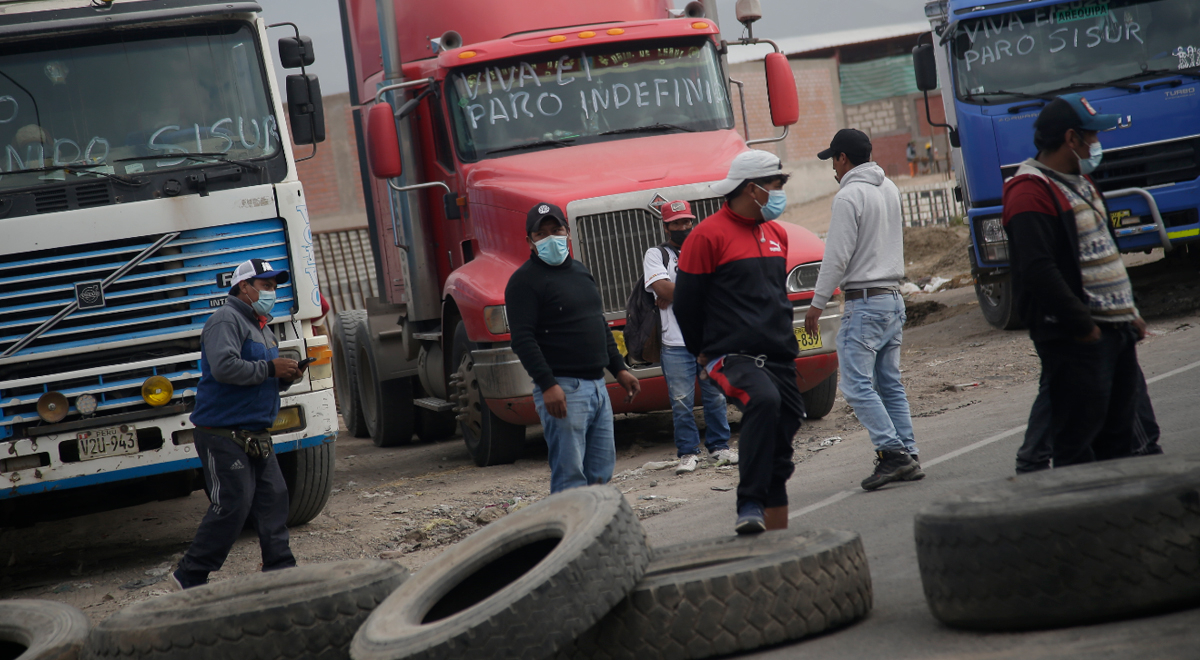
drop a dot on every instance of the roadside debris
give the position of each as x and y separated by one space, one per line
962 387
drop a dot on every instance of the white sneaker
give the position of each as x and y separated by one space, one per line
687 464
725 456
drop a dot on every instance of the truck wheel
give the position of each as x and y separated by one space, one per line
491 440
432 426
996 298
345 377
306 612
308 474
734 594
1088 543
41 630
819 400
387 405
521 587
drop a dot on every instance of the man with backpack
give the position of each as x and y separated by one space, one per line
678 364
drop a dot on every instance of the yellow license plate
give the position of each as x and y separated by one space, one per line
807 342
620 339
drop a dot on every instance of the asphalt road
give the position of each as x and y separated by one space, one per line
960 450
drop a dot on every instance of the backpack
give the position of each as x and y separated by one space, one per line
643 324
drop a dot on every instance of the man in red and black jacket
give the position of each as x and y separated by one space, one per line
732 307
1071 288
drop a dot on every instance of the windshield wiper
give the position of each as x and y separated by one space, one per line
1004 92
1088 85
86 169
652 128
532 145
1194 72
198 156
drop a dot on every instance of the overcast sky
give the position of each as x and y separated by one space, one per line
320 20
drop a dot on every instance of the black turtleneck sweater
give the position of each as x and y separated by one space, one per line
557 323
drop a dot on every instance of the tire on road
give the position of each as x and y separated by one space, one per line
491 440
733 594
308 473
522 587
41 630
345 376
309 612
818 401
996 299
1082 544
387 405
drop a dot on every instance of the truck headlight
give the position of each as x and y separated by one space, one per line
803 277
496 319
995 242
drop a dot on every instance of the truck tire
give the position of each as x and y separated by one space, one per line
432 426
41 630
819 400
309 612
996 298
387 405
491 440
308 473
343 334
521 587
1087 543
734 594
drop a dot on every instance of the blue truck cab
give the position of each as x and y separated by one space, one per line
998 62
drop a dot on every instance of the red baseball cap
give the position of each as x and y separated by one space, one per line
672 211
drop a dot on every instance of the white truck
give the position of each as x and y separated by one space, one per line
142 157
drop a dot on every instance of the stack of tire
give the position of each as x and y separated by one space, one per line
568 577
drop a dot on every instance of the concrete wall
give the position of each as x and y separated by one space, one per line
332 180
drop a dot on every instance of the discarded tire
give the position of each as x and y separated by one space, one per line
522 587
309 612
41 630
1075 545
730 594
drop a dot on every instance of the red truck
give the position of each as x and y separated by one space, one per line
467 113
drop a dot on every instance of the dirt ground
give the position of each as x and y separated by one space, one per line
409 503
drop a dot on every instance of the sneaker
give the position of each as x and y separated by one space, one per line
889 466
687 463
725 456
173 583
917 474
750 519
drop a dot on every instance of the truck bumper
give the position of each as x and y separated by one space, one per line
508 389
174 455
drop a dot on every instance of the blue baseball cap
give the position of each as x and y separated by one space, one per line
1074 111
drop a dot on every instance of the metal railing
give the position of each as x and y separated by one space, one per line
345 268
930 205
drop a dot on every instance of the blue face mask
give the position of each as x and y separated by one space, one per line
266 300
776 203
1095 154
552 249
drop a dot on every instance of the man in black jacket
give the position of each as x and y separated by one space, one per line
559 333
1071 288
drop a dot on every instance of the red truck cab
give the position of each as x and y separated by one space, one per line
481 110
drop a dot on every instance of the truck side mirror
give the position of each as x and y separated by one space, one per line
925 68
296 52
781 90
305 109
383 143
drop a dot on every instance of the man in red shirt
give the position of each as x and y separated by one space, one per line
732 307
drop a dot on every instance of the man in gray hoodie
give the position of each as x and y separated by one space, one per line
864 254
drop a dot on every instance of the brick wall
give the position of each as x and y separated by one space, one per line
881 117
332 181
820 107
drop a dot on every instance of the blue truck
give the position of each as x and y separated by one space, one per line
998 62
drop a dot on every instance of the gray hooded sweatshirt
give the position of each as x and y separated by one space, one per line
865 244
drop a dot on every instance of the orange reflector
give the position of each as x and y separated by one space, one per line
323 354
557 38
615 31
700 25
587 35
467 54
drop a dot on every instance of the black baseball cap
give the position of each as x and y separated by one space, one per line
540 212
1072 111
849 141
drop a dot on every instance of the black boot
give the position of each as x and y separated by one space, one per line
889 466
917 474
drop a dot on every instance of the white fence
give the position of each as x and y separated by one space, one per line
922 206
346 268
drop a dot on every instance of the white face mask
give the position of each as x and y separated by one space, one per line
1095 154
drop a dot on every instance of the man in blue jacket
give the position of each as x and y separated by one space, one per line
237 401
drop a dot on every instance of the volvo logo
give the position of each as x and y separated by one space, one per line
89 295
655 204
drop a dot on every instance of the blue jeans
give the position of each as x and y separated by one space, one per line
869 358
680 369
582 449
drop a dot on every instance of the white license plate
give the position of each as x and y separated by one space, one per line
108 441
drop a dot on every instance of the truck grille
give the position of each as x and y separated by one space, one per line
167 297
1149 165
613 244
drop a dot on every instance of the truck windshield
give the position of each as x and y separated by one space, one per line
587 95
125 103
1075 45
